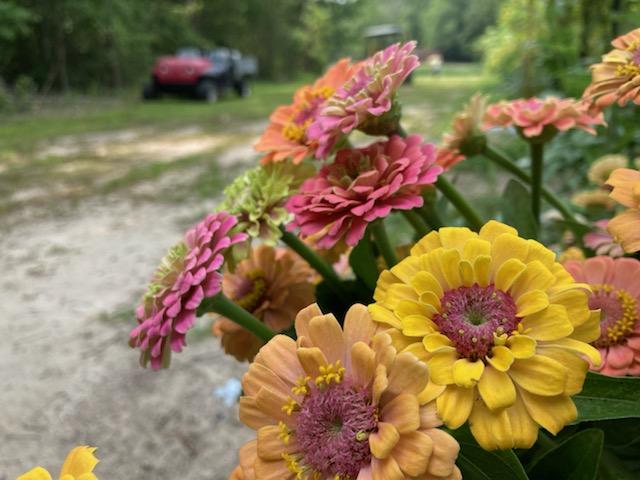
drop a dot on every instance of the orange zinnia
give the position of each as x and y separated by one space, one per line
625 227
286 135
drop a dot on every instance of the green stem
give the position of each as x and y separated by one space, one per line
382 240
536 150
501 160
317 263
466 210
431 217
231 310
416 222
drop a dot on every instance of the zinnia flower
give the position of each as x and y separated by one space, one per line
341 404
286 137
601 242
466 135
362 185
362 101
603 167
272 284
625 227
571 253
448 158
78 465
539 118
617 77
189 273
616 293
503 327
257 198
594 198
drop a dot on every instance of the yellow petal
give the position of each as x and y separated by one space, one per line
540 375
456 237
417 326
523 429
577 367
403 412
538 251
431 302
467 275
522 346
435 342
412 453
576 301
441 367
429 242
535 277
417 350
454 405
326 334
482 269
505 247
407 375
509 272
426 282
37 473
430 392
552 413
501 358
532 302
496 389
79 461
405 308
492 430
549 324
492 229
474 248
589 331
467 373
578 347
450 264
384 315
407 269
383 441
398 292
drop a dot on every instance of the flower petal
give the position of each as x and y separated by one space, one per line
522 346
467 373
552 413
412 453
403 412
492 430
549 324
383 440
532 302
454 405
501 358
496 389
540 375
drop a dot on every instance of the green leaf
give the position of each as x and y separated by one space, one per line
575 459
479 464
607 398
363 262
516 209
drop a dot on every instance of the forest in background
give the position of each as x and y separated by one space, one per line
93 46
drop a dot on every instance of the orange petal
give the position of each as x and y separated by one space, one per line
413 452
403 412
358 326
271 446
326 334
382 442
363 363
408 375
386 469
444 453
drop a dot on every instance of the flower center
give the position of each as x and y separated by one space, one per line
332 431
305 112
472 317
632 68
167 272
250 290
618 314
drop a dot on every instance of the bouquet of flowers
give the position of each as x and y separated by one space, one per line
474 351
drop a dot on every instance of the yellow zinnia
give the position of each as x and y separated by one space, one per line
78 465
503 327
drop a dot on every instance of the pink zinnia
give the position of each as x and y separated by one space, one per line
533 115
363 185
448 157
601 241
368 95
189 273
616 293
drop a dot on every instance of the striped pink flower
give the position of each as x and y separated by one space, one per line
361 186
189 273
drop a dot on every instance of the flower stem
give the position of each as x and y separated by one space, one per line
501 160
317 263
416 222
431 217
536 150
229 309
449 191
382 240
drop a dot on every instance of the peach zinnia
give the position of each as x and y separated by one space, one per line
616 293
286 136
341 405
272 284
625 227
617 77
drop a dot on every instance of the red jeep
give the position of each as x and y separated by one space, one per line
205 75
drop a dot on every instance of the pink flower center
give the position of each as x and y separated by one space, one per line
472 315
618 314
333 428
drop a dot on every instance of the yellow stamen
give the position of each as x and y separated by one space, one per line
301 387
333 372
290 407
285 433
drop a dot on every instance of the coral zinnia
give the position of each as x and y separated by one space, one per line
466 134
625 227
617 77
502 326
616 293
78 465
362 102
189 273
363 185
448 158
601 242
341 404
272 284
538 118
286 137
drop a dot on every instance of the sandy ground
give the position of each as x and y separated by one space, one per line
68 285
